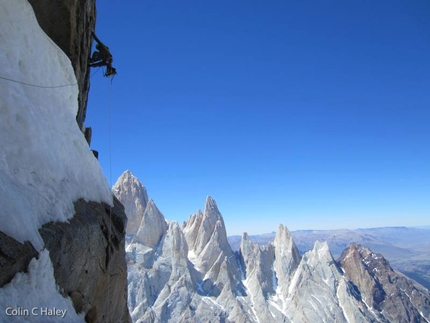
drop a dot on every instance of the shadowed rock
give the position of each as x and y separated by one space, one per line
14 257
89 260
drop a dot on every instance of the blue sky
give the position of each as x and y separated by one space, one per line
314 114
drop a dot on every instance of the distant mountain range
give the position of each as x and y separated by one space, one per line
189 272
407 248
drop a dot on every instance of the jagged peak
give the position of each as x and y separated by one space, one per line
321 246
287 257
206 228
126 175
211 208
245 243
319 253
152 227
153 211
133 195
283 238
130 184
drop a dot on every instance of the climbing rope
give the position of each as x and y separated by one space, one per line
110 186
45 86
95 72
35 85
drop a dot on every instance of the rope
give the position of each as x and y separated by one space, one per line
35 85
94 73
43 86
110 182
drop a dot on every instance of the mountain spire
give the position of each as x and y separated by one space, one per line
132 194
152 227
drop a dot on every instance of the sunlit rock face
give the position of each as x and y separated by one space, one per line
388 293
189 273
132 194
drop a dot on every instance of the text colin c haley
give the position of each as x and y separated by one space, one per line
35 311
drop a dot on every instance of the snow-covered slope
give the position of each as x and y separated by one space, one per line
45 162
45 167
35 297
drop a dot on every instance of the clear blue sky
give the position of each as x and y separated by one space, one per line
314 114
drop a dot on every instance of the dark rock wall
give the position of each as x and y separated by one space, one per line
14 257
88 255
69 24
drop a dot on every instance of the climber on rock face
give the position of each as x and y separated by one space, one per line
102 57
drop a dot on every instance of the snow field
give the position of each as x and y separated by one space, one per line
45 162
30 293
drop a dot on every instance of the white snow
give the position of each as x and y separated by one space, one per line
274 279
34 295
209 301
421 313
45 162
340 301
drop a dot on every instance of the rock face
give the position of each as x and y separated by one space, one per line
384 291
69 24
404 247
132 194
14 257
152 227
189 273
88 255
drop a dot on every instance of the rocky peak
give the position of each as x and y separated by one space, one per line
356 267
395 297
287 257
320 253
152 227
202 228
133 195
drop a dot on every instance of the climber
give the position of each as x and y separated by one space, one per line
102 57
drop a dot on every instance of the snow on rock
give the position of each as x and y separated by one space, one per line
35 296
45 161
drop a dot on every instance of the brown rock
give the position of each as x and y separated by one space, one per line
89 260
395 297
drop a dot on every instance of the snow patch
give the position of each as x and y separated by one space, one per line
421 313
34 291
274 279
345 313
45 161
208 300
